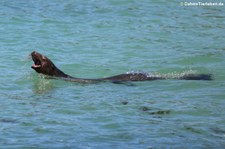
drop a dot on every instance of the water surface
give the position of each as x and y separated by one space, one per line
93 39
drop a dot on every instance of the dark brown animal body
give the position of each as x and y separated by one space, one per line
44 65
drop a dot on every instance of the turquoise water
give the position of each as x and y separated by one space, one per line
94 39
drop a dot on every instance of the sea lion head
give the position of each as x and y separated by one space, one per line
42 64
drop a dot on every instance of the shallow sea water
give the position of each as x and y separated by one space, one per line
92 39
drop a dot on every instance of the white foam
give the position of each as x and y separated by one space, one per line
172 75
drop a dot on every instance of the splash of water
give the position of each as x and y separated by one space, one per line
177 75
172 75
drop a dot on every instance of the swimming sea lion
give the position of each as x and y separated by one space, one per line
44 65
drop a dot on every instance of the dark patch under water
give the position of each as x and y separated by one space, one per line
4 120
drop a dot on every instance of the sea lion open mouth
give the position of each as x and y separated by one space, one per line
37 62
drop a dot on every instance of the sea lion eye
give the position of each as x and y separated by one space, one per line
43 57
